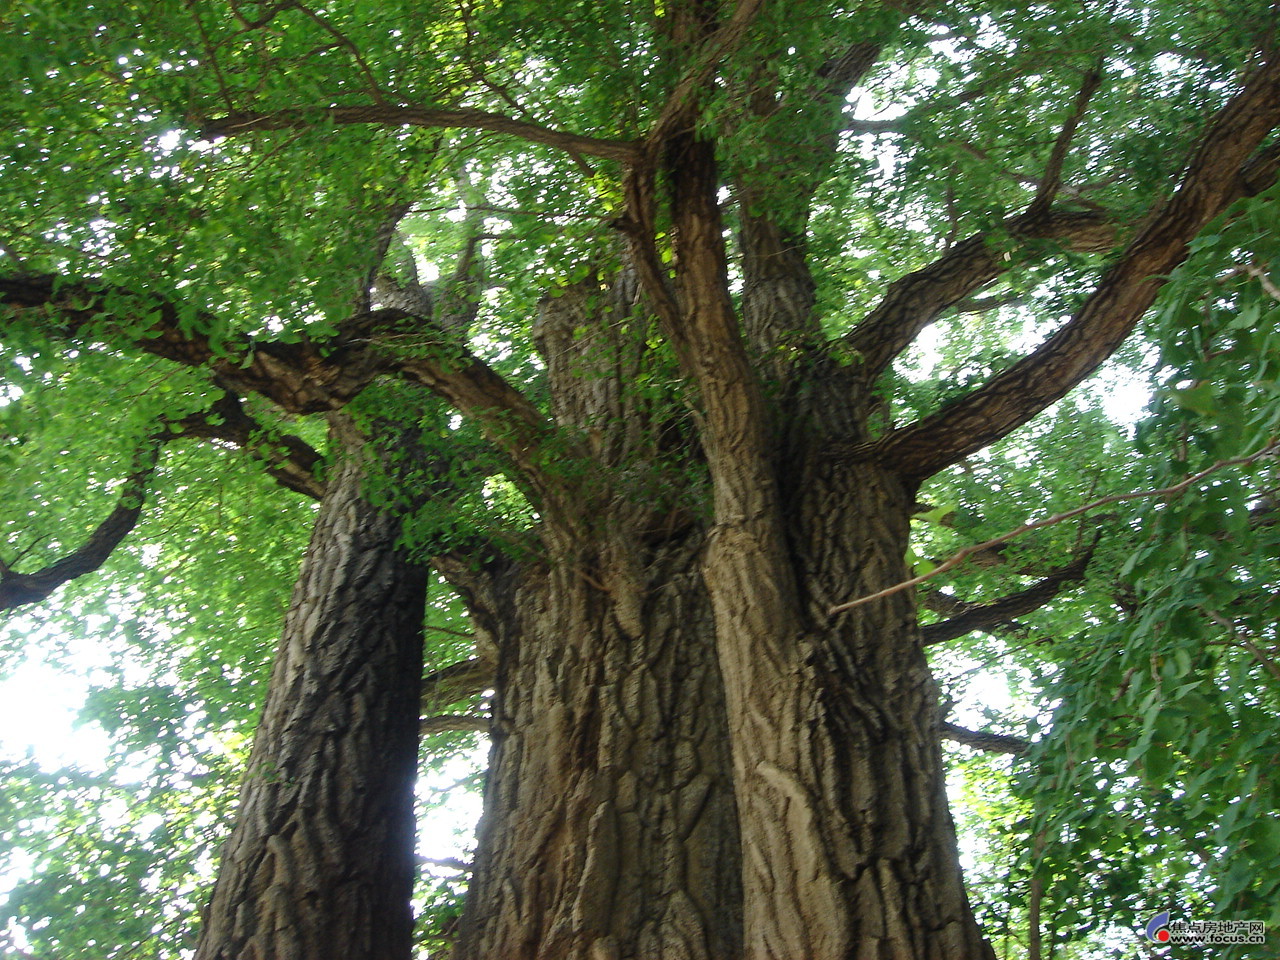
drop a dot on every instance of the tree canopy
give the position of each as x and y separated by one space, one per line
578 268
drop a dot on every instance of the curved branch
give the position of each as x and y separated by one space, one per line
1220 173
302 377
508 419
293 462
842 73
386 115
20 589
977 616
916 300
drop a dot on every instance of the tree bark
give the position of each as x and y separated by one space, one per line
320 863
609 827
848 846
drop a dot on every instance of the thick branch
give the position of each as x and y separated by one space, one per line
1219 174
916 300
19 589
457 682
394 116
292 461
842 73
423 353
982 740
979 616
1047 189
726 37
298 377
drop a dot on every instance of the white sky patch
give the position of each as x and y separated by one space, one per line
448 831
39 708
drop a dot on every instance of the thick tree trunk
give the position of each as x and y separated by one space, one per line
848 847
609 828
851 851
321 860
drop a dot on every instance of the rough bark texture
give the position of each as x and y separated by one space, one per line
609 828
321 861
692 758
848 846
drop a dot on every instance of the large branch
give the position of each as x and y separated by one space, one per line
1219 174
388 115
840 74
916 300
19 589
299 377
986 615
310 377
293 462
719 44
426 354
458 681
983 740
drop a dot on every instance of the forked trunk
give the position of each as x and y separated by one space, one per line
320 865
609 828
850 846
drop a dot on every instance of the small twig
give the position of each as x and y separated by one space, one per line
956 559
7 249
451 633
1268 664
342 40
1263 279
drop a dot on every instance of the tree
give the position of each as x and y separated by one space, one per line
646 421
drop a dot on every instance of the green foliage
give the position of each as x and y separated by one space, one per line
1152 686
1158 763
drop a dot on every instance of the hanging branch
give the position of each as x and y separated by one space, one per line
958 558
19 589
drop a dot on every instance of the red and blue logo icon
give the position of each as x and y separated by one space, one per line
1158 928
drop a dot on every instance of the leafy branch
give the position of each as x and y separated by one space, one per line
241 122
1227 166
19 589
960 556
